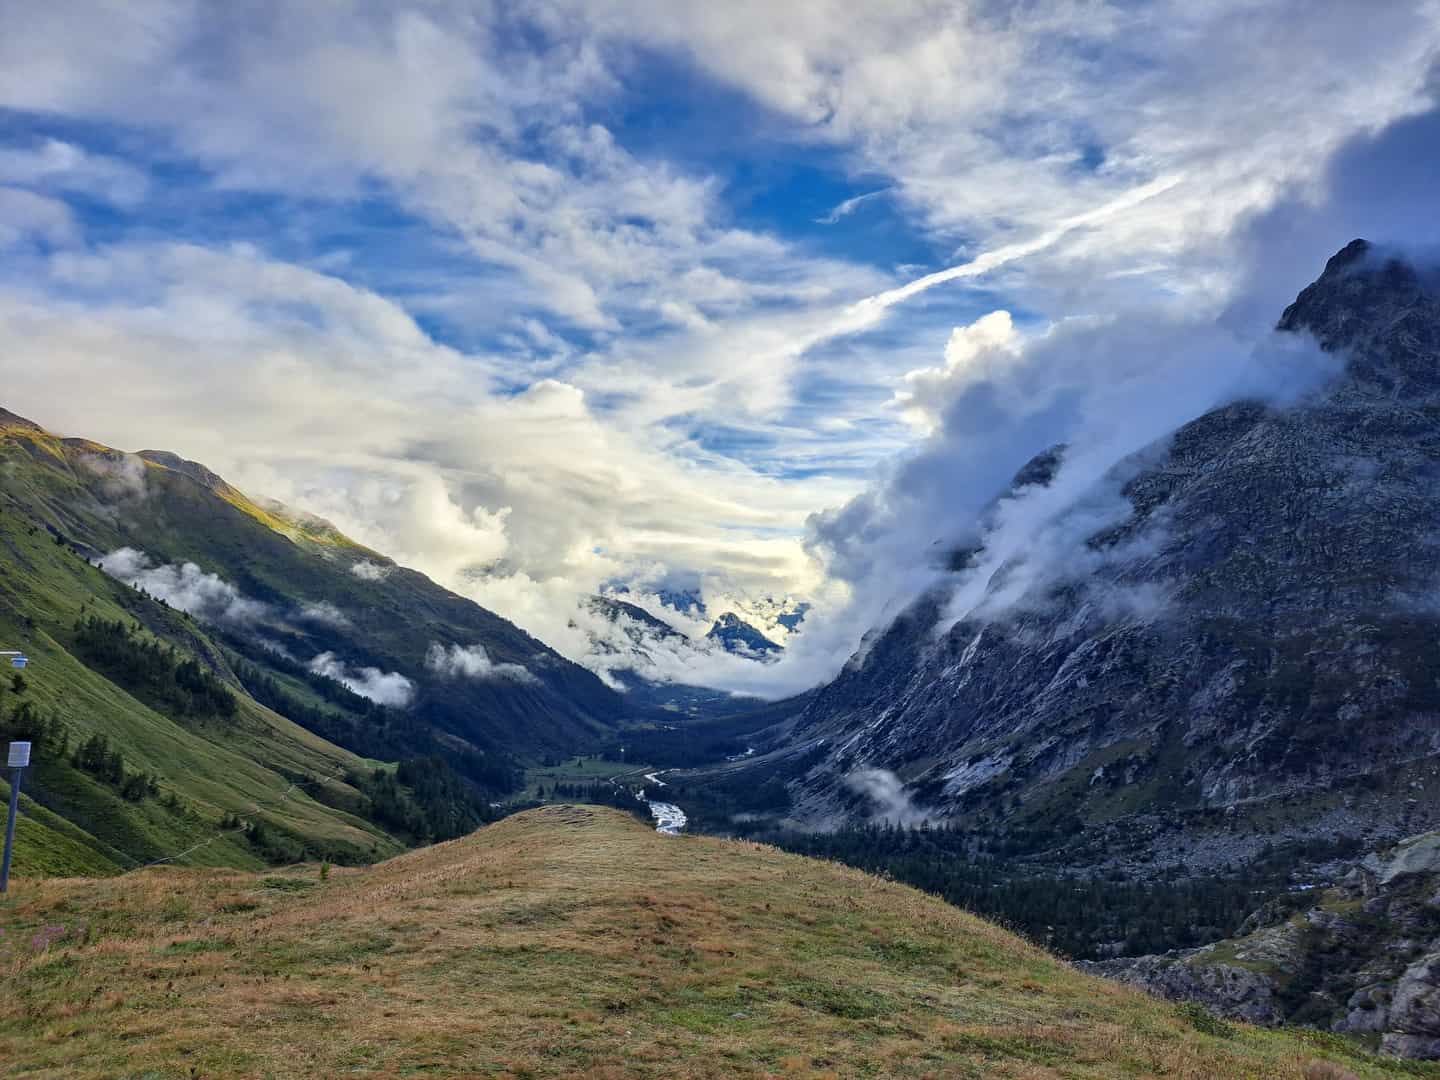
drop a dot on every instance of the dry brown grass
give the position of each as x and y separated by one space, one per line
574 941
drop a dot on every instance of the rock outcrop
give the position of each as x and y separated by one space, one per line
1360 958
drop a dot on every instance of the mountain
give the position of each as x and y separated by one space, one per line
637 633
737 636
685 601
656 663
1243 656
295 584
640 653
204 664
575 941
1360 957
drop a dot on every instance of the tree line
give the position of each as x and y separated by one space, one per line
1089 917
50 746
155 672
364 726
423 800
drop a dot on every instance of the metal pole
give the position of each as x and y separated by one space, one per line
15 775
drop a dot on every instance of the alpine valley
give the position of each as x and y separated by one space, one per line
1181 740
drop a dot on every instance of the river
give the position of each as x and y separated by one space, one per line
669 818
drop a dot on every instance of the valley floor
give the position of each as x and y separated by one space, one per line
576 941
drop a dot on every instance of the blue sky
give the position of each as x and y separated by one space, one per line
542 297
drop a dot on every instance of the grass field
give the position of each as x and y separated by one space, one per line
574 941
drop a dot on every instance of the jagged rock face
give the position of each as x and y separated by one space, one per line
638 628
1260 622
1360 958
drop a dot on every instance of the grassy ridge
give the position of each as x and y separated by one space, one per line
574 941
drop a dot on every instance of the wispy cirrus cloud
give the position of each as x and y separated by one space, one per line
848 206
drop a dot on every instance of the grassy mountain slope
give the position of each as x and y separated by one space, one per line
304 573
161 735
256 764
574 941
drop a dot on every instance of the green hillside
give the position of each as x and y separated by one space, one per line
383 616
211 737
575 941
255 764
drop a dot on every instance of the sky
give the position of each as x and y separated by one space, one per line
764 300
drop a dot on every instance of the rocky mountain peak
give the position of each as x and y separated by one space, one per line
1379 306
1256 628
737 636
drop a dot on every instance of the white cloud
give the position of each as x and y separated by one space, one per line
678 390
984 117
323 612
366 570
472 662
525 502
970 355
892 803
1107 388
123 475
848 206
26 217
382 687
63 166
183 585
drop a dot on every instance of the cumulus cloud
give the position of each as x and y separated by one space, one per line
472 662
183 585
382 687
1107 389
969 354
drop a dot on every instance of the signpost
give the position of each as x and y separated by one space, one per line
19 758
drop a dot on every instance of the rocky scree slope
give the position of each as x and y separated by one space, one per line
1251 654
